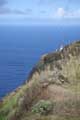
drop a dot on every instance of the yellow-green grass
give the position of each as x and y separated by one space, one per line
49 117
10 102
71 70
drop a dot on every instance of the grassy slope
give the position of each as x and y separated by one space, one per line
70 70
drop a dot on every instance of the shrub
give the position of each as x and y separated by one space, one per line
43 107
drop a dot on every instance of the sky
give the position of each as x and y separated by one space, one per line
44 11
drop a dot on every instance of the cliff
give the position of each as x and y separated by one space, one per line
52 90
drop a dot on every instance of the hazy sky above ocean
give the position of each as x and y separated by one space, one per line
40 11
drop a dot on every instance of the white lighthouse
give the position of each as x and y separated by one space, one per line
61 48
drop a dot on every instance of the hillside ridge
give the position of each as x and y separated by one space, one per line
52 89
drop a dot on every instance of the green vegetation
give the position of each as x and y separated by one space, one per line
43 107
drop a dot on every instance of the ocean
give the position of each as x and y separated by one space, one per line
22 46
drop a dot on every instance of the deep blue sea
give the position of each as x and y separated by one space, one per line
22 46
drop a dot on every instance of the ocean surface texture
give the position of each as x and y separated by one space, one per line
22 46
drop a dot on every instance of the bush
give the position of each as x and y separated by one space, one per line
43 107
